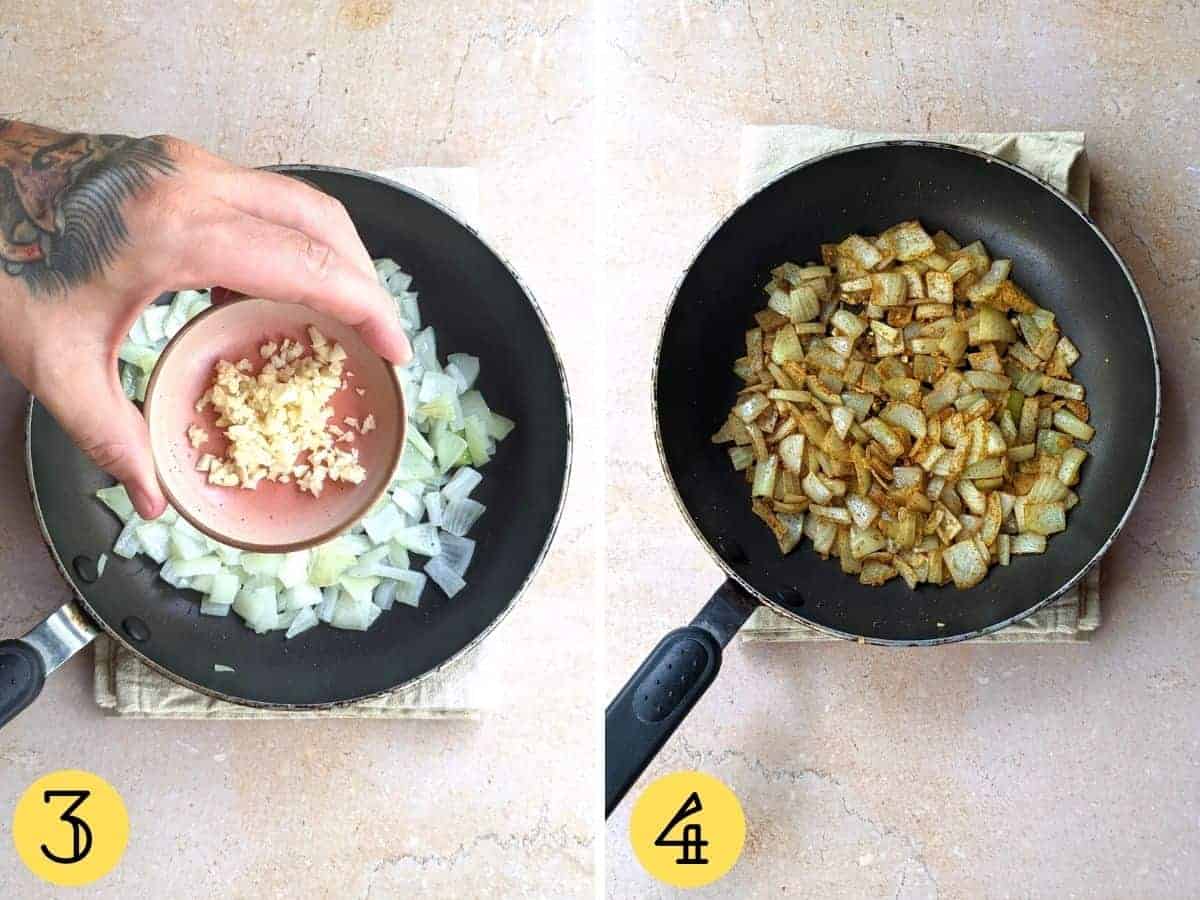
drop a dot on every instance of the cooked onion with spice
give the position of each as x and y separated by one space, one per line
908 408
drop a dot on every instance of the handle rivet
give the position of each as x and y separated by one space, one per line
136 629
85 568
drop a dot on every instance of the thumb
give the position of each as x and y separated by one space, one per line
106 426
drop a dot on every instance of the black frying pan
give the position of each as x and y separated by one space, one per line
478 306
1058 255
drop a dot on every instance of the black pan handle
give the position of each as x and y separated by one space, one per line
25 662
22 674
646 712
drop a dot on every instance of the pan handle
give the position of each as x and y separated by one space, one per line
646 712
25 662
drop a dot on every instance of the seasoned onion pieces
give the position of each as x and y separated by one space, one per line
909 409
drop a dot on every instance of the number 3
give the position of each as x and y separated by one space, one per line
78 828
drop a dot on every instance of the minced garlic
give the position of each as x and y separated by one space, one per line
196 435
272 418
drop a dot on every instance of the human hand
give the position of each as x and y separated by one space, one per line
93 227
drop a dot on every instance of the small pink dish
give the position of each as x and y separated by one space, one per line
274 517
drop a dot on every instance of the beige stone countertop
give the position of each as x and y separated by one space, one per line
345 809
965 771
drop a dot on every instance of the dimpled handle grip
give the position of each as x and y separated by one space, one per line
646 712
22 675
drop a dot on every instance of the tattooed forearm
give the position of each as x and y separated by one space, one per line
62 198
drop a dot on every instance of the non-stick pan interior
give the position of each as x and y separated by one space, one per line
1057 257
477 306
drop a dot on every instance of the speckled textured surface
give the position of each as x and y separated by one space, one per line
967 771
343 808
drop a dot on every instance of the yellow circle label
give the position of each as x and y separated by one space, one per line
70 827
687 829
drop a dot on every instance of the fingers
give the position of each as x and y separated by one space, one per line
294 204
110 430
262 259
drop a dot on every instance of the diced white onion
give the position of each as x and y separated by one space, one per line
409 587
461 515
382 526
444 577
385 595
433 502
421 539
461 483
457 552
155 539
350 580
305 619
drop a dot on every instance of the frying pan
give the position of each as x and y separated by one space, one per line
1058 255
477 305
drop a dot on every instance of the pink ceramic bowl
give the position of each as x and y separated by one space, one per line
273 518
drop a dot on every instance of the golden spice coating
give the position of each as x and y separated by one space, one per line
908 408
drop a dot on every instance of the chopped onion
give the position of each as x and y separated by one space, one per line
369 560
185 545
330 561
444 577
359 588
461 514
383 525
294 569
257 607
204 565
385 595
155 539
409 587
328 604
924 426
457 552
433 507
305 619
424 346
116 499
421 539
354 614
461 484
127 544
302 596
348 581
357 544
168 574
466 366
224 588
412 505
398 555
262 563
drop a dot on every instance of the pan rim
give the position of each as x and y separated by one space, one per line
466 648
990 159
